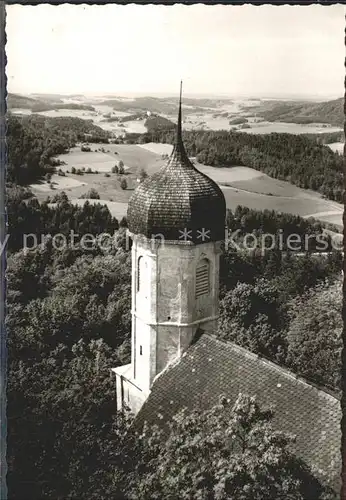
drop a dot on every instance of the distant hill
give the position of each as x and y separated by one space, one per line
330 112
155 105
38 104
56 97
164 105
156 122
38 108
21 101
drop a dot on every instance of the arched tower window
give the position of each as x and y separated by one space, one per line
142 276
139 273
202 278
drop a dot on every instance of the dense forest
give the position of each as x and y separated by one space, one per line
26 216
277 306
266 228
327 137
34 140
294 158
69 322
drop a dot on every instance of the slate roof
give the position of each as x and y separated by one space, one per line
211 368
178 198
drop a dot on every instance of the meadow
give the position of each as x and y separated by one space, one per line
337 147
241 185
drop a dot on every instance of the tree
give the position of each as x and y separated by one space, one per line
61 394
65 438
123 184
123 222
142 175
121 169
315 334
228 451
251 315
60 198
92 194
42 219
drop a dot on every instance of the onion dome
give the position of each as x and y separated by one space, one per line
179 202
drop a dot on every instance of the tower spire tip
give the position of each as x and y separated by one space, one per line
179 138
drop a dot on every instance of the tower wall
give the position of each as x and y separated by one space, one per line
165 310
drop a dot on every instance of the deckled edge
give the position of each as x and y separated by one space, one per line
255 3
343 354
3 231
3 220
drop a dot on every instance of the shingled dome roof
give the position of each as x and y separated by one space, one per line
178 201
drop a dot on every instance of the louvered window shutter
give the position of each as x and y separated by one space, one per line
202 278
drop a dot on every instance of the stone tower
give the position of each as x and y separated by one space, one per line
176 219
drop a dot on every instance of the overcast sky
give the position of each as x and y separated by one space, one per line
233 50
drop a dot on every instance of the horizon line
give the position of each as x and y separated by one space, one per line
196 95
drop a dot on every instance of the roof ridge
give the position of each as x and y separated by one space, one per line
179 139
174 362
283 370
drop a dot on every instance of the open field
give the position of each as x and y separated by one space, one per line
309 207
61 183
337 147
263 184
241 185
210 121
157 148
117 209
105 182
133 157
108 187
289 128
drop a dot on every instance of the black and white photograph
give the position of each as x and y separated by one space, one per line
174 252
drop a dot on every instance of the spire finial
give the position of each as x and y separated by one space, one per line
179 130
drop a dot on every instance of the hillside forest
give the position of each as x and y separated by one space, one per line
302 112
33 142
299 159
